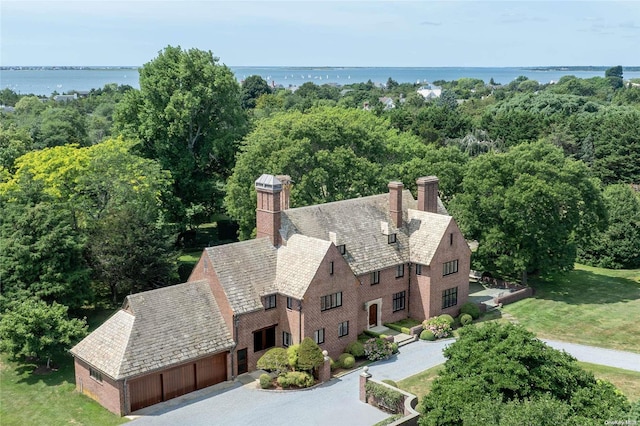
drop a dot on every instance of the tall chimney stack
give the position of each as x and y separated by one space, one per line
269 189
286 182
428 194
395 202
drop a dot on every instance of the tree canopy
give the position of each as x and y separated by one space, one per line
331 154
188 116
528 209
501 374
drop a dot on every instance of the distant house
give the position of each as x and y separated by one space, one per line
429 91
387 102
327 271
65 98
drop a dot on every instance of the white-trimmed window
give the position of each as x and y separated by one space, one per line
95 374
318 336
400 271
269 301
399 301
343 328
331 301
449 268
286 339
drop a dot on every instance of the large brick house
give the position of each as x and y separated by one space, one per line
326 271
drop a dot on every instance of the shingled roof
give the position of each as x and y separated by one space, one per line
358 224
426 232
156 329
298 263
245 270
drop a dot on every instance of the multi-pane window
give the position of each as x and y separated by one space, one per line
331 301
449 268
418 269
400 271
375 277
289 302
270 301
343 328
399 301
318 336
391 238
449 297
286 339
342 249
95 374
264 339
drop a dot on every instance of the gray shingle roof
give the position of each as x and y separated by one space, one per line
357 223
245 270
157 329
298 263
426 231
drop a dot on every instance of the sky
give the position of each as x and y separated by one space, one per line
323 33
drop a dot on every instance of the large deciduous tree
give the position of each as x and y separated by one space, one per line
528 208
331 154
618 246
188 116
102 202
501 374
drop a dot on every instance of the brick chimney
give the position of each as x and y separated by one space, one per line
269 190
395 202
428 194
286 182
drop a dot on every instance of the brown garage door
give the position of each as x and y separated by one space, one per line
168 384
145 391
211 370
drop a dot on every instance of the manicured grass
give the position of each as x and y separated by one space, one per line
420 384
592 306
627 381
47 399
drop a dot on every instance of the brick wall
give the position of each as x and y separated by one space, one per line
323 284
204 271
388 286
109 393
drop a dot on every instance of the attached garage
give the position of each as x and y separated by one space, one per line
163 386
162 344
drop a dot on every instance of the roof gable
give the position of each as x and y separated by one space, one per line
298 263
163 327
426 232
245 270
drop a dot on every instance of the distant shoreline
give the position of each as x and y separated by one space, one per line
299 67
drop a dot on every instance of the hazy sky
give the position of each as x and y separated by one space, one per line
323 33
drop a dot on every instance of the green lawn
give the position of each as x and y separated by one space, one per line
627 381
592 306
47 399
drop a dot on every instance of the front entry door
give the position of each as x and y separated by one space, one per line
373 315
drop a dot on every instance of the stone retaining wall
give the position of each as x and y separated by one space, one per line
514 297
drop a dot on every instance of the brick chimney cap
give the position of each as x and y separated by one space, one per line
426 179
269 183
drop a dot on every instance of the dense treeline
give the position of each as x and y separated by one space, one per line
96 191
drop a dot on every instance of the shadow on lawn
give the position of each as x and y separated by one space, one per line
580 287
31 373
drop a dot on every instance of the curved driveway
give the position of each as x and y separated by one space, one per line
333 403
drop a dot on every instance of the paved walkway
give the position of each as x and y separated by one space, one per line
333 403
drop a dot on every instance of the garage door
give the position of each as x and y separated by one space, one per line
211 370
145 391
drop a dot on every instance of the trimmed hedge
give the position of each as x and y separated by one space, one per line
385 398
471 309
396 327
355 348
465 319
427 335
265 381
346 360
448 318
299 379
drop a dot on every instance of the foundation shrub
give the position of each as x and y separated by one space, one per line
465 319
471 309
275 359
356 349
427 335
265 381
440 327
377 349
346 360
448 318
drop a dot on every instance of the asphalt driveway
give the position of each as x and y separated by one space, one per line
333 403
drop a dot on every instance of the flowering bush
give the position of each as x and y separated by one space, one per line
376 349
439 326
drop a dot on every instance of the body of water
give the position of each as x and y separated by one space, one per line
45 81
